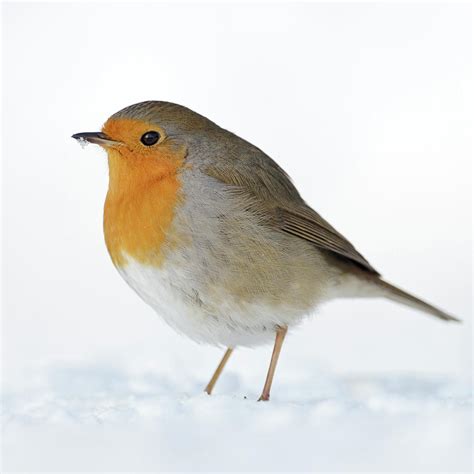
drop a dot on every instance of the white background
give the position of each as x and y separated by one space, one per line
368 107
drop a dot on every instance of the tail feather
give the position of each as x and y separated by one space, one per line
396 294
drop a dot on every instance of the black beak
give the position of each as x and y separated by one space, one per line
97 138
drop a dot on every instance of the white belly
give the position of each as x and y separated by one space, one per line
217 319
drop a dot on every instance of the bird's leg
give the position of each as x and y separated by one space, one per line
280 337
218 371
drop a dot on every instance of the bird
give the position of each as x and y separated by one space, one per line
212 233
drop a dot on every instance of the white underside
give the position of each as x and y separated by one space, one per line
185 307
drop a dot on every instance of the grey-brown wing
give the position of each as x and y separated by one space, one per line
307 224
258 177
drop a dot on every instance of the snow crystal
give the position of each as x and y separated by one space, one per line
83 142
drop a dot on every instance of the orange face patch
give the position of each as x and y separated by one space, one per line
144 191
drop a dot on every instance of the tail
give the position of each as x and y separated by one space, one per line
396 294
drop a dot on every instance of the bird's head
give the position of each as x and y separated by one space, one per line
149 138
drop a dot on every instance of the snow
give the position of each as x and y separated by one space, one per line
100 417
82 142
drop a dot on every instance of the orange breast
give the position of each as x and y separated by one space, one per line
144 193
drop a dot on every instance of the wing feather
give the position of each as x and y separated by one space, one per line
319 232
258 178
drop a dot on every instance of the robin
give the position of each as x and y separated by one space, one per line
214 236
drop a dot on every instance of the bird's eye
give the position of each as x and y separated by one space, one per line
150 138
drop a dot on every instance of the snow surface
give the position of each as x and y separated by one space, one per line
102 418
